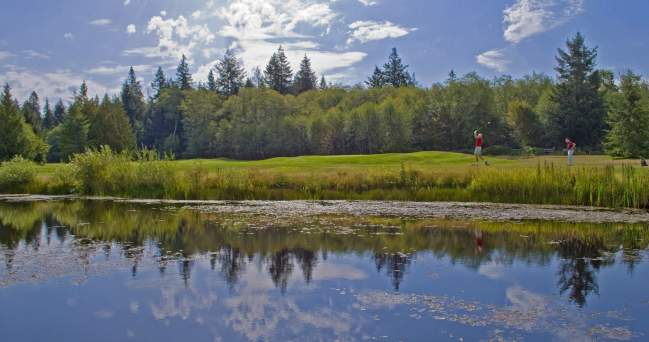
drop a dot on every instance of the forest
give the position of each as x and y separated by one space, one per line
278 112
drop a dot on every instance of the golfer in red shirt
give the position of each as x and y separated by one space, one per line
479 140
570 147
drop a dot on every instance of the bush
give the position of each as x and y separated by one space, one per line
104 172
16 175
499 150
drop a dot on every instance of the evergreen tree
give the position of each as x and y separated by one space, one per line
159 82
73 133
305 78
628 118
31 111
278 73
59 113
258 78
17 136
395 73
183 76
163 127
249 83
452 77
48 116
323 83
12 139
133 102
111 127
580 110
377 80
211 81
83 91
231 75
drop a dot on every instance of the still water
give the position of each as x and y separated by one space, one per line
103 271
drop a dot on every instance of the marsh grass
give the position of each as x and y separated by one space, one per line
144 174
17 175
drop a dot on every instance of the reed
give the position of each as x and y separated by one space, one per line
144 174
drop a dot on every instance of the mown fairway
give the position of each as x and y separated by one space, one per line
447 162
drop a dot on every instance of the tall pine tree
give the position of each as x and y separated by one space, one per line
183 76
395 73
305 78
159 83
258 78
211 81
323 83
73 132
17 136
377 80
278 73
231 74
48 116
12 139
59 113
133 102
31 111
111 126
579 107
628 118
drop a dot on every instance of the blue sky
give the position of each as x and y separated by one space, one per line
51 46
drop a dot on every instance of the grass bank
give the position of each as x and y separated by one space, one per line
422 176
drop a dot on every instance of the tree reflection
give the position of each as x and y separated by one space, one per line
232 264
230 244
395 265
280 268
580 261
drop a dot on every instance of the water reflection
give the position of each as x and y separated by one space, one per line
168 236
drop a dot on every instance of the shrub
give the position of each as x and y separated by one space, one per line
499 150
16 175
140 174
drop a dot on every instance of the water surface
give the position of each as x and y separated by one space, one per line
103 271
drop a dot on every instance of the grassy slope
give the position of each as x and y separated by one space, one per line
447 162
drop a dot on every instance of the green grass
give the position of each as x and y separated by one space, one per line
423 161
420 176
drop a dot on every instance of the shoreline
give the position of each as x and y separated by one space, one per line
407 210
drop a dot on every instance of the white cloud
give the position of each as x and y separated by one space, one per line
365 31
492 270
196 14
368 2
259 27
252 19
35 54
175 38
5 55
163 13
127 2
53 85
68 35
493 59
118 69
131 29
101 22
526 18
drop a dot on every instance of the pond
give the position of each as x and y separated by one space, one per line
111 271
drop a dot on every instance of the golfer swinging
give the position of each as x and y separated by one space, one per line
478 147
570 148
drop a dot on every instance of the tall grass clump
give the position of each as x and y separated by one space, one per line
139 174
626 187
17 175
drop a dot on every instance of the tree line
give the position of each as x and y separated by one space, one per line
278 112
